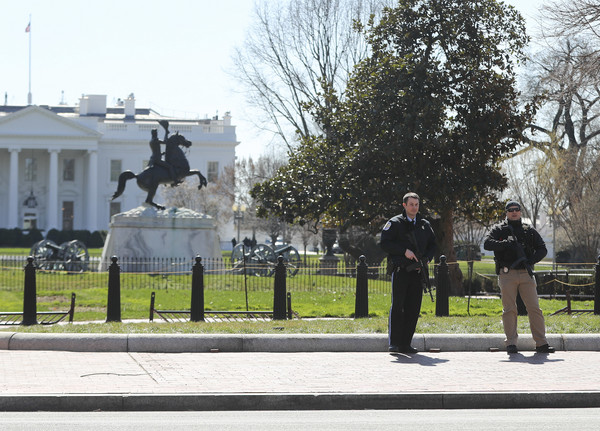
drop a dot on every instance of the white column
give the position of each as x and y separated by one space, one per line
13 189
92 191
52 220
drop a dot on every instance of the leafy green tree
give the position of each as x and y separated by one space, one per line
433 109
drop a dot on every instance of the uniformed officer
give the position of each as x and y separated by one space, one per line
403 237
517 246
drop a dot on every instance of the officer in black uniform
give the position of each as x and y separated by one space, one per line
407 288
517 246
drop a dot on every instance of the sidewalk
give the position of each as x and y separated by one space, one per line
130 372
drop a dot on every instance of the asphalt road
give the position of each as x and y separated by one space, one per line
346 420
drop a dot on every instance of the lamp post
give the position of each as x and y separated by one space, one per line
238 216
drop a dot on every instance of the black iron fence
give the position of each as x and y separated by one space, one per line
219 274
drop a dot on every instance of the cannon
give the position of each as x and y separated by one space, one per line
261 259
70 256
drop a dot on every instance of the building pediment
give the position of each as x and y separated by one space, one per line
34 121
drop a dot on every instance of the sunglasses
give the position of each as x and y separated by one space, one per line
512 210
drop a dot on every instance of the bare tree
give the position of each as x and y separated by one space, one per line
214 200
567 130
295 53
248 173
573 18
532 194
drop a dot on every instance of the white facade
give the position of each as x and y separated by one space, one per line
64 155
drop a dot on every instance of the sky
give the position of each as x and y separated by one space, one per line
174 55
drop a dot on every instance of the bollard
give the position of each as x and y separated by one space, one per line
279 294
361 305
197 306
597 289
72 309
443 289
29 295
152 301
113 306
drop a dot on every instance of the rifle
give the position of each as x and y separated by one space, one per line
521 256
420 265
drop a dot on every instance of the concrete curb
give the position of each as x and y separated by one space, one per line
298 401
197 343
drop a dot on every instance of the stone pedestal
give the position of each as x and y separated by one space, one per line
328 265
146 233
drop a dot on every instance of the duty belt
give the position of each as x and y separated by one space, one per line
506 269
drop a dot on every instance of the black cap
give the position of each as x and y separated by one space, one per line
512 204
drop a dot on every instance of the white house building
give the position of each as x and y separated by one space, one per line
59 165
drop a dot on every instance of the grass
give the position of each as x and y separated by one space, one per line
135 303
428 324
321 313
325 311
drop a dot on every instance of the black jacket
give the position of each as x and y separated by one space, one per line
505 249
395 239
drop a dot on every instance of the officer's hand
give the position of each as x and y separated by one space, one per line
410 255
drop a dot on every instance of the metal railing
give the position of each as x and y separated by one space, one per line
163 274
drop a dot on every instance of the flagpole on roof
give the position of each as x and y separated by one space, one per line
28 29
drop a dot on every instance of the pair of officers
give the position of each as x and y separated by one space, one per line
517 247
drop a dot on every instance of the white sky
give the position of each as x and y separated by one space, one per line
172 54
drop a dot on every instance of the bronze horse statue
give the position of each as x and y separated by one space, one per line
151 177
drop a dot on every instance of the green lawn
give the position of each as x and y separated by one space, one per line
325 310
320 312
428 324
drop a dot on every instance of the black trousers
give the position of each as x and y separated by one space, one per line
407 294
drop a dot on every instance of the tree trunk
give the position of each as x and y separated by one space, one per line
444 233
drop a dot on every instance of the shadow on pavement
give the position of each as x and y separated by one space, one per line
535 359
418 359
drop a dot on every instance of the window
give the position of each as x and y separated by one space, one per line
115 208
69 170
212 174
115 170
67 215
30 169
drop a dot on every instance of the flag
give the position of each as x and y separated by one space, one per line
28 28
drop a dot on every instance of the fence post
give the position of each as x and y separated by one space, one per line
72 309
29 294
279 294
152 300
113 305
197 306
597 289
361 305
443 289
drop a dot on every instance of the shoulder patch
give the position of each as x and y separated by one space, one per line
387 225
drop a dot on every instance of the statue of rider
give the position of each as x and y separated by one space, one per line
156 157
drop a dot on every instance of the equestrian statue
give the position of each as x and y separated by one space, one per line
172 170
